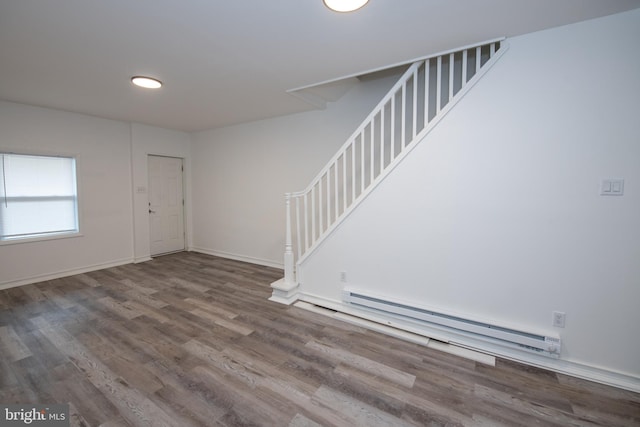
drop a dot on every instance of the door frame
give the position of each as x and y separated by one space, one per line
184 203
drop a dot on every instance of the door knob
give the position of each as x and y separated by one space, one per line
150 211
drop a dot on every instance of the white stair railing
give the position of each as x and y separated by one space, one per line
422 96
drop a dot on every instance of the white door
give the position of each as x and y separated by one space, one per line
166 205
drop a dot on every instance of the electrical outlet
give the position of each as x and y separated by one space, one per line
559 319
343 276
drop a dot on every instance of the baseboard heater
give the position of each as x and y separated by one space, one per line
545 344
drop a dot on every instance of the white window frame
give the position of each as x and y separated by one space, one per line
49 236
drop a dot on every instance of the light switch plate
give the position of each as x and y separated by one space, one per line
612 187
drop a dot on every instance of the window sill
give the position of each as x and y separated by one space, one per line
40 238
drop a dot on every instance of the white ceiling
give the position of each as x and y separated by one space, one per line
227 62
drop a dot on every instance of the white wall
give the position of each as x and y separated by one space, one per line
240 173
104 178
112 167
497 214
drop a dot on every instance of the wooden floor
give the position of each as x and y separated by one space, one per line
191 340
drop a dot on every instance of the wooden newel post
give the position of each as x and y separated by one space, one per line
289 275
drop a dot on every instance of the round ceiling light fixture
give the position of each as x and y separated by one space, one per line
146 82
345 5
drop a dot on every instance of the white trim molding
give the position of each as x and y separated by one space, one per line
63 273
237 257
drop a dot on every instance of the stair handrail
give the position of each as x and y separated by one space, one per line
414 64
359 129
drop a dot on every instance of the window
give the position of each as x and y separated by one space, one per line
38 196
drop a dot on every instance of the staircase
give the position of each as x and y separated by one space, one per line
415 104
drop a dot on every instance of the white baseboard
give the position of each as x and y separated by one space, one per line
574 369
62 273
236 257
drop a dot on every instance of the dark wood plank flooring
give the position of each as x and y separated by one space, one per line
191 340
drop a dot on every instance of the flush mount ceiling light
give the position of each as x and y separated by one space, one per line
345 5
146 82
